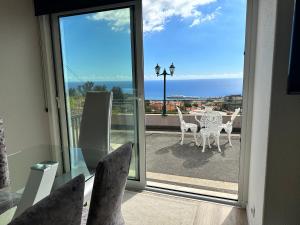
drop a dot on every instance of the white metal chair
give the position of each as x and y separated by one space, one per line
187 126
228 126
211 125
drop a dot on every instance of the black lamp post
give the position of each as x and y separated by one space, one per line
164 73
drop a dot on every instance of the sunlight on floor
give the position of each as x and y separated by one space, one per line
149 208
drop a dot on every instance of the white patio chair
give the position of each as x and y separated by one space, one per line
228 126
211 125
187 126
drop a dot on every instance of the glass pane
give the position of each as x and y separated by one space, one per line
97 56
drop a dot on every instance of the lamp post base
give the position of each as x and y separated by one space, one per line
164 109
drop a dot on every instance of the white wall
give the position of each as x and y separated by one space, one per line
282 195
21 87
261 108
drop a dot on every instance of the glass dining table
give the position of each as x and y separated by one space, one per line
70 163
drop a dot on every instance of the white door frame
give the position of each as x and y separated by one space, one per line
53 74
248 88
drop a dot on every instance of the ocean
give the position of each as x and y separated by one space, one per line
202 88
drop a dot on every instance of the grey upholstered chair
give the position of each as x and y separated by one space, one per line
4 174
61 207
109 185
94 137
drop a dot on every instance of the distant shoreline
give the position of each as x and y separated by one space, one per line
198 88
193 98
158 79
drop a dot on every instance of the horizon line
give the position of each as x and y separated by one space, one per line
157 79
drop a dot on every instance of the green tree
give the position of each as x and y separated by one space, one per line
100 88
72 92
118 93
148 106
84 88
187 104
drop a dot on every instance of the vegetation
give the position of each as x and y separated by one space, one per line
77 97
118 94
148 107
187 104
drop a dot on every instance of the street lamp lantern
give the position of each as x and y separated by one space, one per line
172 69
157 70
164 73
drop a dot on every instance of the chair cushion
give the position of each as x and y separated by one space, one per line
61 207
109 184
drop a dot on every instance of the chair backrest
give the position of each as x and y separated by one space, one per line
4 174
201 122
109 185
61 207
94 137
208 108
211 120
236 112
182 122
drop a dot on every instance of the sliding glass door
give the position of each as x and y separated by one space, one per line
96 51
204 97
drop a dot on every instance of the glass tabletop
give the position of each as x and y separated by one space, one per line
71 163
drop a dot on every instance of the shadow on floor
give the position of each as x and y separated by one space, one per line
165 155
193 155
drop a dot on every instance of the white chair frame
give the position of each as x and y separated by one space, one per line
229 125
187 126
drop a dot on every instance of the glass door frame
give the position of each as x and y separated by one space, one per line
138 76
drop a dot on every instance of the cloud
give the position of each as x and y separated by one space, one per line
118 20
206 18
156 14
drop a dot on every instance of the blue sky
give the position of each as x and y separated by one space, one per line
204 39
